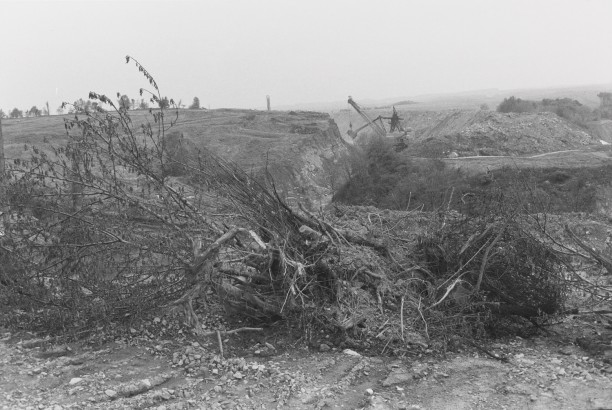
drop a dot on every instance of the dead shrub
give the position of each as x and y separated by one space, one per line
481 268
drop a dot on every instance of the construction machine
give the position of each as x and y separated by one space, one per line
378 126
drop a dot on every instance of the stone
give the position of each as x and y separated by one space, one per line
397 376
324 347
350 352
75 380
378 403
176 357
369 392
110 393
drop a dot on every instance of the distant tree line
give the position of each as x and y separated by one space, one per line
571 110
124 102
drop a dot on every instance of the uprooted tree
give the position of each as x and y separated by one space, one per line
124 219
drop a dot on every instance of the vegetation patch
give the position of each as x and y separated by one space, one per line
386 179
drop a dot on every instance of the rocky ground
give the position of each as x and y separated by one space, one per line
158 365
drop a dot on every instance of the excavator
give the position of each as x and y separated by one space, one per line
378 126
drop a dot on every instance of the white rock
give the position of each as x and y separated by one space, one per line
75 380
110 393
369 392
350 352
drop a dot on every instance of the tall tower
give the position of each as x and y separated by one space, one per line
268 101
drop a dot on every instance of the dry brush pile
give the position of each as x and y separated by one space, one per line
103 230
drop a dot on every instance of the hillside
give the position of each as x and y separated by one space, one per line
482 132
297 148
492 133
601 129
465 100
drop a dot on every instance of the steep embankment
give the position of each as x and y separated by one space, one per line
297 148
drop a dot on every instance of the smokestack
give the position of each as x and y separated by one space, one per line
268 101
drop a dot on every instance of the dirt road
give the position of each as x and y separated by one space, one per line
148 372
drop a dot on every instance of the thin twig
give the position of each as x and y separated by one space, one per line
220 343
423 317
485 259
231 332
402 318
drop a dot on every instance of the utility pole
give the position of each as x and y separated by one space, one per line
268 101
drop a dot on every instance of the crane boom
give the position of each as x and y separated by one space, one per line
377 128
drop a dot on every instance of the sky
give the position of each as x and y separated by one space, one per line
232 53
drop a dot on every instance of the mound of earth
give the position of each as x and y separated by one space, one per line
436 133
492 133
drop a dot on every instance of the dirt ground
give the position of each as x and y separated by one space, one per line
154 366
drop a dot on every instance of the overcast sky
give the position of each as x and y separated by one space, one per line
233 53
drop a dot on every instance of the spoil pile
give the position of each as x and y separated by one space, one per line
491 133
469 132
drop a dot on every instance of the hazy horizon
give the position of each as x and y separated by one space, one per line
233 54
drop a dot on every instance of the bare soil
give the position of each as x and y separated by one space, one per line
567 367
473 132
